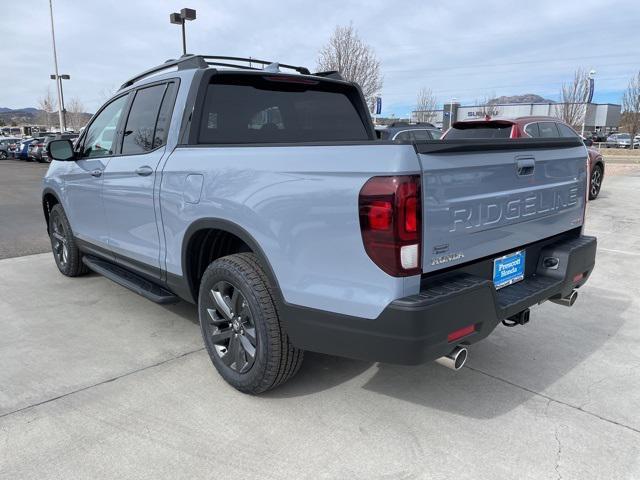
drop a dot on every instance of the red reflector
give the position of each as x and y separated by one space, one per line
380 214
578 277
462 332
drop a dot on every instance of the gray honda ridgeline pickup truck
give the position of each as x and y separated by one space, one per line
266 198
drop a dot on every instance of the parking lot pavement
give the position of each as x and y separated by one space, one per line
22 228
96 382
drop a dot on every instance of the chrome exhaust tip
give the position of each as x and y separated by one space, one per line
567 301
454 360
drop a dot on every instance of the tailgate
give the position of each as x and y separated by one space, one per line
485 197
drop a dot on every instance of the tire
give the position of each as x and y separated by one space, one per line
63 245
3 155
595 182
238 316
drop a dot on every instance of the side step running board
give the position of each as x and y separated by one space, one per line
130 280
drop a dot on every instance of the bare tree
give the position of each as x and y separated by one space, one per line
631 107
573 97
355 60
426 105
76 118
48 106
486 106
106 93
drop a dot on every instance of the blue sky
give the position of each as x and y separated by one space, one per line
463 49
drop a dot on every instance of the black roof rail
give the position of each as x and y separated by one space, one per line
190 61
212 58
183 63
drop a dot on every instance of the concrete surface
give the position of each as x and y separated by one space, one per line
22 227
96 382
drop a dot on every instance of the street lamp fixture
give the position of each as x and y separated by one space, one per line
186 14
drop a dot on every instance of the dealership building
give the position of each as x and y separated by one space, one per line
600 117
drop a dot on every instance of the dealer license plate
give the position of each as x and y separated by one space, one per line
509 269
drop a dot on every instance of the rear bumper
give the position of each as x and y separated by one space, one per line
414 329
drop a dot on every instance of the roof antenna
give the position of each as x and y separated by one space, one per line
272 68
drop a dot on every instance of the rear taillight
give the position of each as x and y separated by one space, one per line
391 223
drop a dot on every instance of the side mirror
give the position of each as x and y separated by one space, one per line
588 142
61 150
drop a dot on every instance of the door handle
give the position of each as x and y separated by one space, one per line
96 173
144 171
525 166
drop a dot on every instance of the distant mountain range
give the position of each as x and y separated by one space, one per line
526 98
25 116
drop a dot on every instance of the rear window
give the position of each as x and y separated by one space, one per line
548 130
479 131
566 131
277 109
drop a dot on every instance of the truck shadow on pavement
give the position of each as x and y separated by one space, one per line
504 370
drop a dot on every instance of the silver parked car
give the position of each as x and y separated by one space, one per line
618 140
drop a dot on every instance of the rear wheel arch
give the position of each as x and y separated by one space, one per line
49 199
208 239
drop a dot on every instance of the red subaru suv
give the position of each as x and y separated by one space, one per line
528 127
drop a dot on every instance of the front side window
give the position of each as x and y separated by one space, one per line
101 134
139 130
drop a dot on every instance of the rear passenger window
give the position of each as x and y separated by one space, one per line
566 131
532 130
403 137
548 130
140 129
421 135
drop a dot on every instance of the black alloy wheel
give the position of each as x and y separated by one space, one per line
596 182
230 326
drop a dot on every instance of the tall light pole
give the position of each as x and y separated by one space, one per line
63 127
590 77
59 79
180 19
